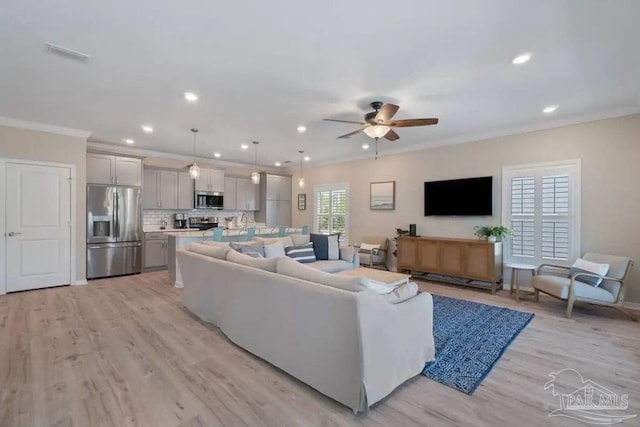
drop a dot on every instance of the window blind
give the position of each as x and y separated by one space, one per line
331 211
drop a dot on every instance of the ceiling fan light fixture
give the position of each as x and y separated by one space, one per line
377 131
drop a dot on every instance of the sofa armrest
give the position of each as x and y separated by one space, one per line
397 341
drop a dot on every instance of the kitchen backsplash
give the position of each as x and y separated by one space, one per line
155 217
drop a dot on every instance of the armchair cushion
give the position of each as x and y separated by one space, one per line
559 287
584 266
617 268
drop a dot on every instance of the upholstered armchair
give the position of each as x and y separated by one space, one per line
373 252
555 281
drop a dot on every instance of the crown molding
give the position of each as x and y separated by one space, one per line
43 127
109 148
481 136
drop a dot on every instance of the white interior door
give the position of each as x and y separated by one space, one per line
38 230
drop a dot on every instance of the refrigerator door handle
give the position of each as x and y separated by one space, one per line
116 215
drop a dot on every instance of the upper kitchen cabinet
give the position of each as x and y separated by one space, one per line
107 169
278 187
160 189
185 191
210 180
247 195
229 194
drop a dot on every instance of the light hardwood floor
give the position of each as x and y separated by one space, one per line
125 352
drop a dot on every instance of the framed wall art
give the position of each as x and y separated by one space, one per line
383 196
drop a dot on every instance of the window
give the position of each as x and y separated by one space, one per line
541 203
331 209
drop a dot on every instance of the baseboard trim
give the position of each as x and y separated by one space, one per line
632 305
80 282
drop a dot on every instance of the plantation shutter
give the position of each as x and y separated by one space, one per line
331 210
541 204
522 215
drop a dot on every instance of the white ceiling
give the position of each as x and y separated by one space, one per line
261 68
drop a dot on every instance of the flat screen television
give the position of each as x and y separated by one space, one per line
459 197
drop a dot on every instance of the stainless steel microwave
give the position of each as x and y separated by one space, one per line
209 200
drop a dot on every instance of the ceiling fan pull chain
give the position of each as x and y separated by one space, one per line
377 148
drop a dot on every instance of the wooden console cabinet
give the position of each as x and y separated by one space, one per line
474 260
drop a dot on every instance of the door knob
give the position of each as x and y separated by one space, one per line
12 233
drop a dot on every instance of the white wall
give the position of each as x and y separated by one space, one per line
610 153
39 146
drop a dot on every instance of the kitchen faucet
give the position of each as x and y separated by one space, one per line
243 220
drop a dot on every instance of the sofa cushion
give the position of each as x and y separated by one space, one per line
218 252
582 266
215 244
274 250
302 253
249 247
326 246
286 240
267 264
331 266
559 287
402 293
288 267
300 239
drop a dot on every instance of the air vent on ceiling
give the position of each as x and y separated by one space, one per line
287 161
67 53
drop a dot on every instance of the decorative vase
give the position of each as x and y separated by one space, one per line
492 238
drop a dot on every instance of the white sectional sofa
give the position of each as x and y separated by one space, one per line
354 347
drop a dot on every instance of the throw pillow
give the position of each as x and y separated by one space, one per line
584 266
300 239
245 247
218 252
288 267
326 247
265 264
369 247
286 240
302 253
402 293
274 250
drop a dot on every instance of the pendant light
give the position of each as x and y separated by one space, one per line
255 175
194 170
301 179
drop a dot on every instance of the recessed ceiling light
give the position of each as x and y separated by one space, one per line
278 164
217 155
521 59
550 109
190 96
244 146
302 129
129 141
147 128
307 158
365 146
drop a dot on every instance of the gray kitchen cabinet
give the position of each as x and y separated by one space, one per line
210 180
108 169
160 189
275 200
229 194
156 250
246 195
185 191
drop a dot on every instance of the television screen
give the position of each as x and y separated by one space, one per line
463 197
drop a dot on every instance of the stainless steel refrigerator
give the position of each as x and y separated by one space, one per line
114 231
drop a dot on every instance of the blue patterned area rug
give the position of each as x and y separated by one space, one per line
470 338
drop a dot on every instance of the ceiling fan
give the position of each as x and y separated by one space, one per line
377 124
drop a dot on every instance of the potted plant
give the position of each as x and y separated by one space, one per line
493 233
399 233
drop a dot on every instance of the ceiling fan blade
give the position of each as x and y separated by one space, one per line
392 136
386 112
345 121
349 135
412 122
